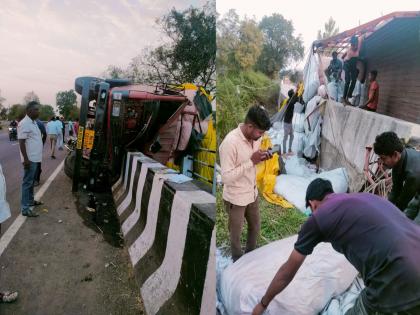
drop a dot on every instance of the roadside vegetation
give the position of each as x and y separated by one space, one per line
250 55
276 223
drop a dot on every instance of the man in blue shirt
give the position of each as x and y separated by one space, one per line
374 236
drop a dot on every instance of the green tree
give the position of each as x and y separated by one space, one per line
46 112
114 72
74 113
330 29
29 97
239 43
66 100
190 54
3 110
3 113
227 40
17 111
250 44
280 45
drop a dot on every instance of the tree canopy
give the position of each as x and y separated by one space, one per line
46 112
188 54
66 100
280 45
330 29
16 111
267 46
29 97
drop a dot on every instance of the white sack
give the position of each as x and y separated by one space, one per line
313 141
340 304
298 122
310 77
323 275
4 206
312 104
293 187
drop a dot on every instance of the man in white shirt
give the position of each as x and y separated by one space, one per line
30 143
53 131
60 135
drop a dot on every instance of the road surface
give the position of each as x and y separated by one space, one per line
61 262
13 170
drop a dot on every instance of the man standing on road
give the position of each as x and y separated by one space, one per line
60 139
380 242
70 127
239 154
53 131
30 143
44 138
405 165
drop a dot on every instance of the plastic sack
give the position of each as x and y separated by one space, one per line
298 122
340 304
311 77
298 166
267 172
293 187
314 116
4 206
324 274
313 141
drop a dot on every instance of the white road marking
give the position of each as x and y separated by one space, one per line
20 219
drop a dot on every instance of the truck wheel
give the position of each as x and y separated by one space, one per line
69 166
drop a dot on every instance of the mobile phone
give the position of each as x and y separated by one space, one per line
274 149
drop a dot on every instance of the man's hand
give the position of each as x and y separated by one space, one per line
26 164
258 309
259 156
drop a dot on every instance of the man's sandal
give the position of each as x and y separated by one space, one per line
8 297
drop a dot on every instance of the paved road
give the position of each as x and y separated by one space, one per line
60 262
13 171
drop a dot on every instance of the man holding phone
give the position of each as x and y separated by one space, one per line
239 154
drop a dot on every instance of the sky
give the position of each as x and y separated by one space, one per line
46 44
310 16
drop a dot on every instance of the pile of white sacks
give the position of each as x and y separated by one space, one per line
320 286
300 173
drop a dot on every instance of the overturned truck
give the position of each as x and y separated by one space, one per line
116 117
132 140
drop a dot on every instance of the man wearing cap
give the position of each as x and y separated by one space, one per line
239 154
374 236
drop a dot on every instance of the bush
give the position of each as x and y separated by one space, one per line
236 92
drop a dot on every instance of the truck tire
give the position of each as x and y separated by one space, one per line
69 166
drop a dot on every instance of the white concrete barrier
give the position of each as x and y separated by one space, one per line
168 227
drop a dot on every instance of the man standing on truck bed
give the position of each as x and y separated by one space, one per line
239 154
405 164
374 236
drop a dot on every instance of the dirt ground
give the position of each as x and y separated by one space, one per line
68 261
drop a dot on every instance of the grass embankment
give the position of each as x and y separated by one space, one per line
276 222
